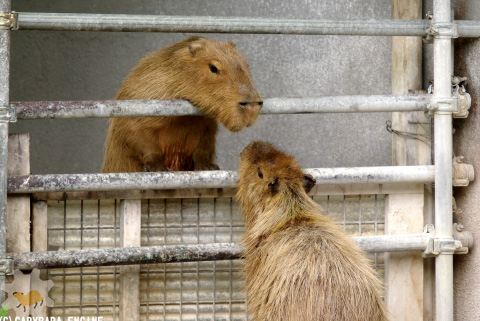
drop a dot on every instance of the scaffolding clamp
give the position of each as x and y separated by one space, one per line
443 245
463 236
441 30
6 266
442 105
464 99
9 20
462 174
459 104
8 114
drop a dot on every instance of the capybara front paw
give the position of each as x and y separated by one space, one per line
155 168
206 167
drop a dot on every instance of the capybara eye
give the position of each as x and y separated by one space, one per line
213 69
259 173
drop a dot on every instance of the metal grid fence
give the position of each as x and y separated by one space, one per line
174 291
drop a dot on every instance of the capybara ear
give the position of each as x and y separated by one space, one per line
195 47
232 44
274 186
308 182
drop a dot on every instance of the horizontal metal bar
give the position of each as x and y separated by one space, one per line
393 243
468 28
103 108
347 104
135 108
128 255
206 24
207 179
330 189
190 253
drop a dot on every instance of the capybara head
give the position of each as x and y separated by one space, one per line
270 178
18 295
216 79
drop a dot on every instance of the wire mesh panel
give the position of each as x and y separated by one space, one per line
83 225
174 291
196 290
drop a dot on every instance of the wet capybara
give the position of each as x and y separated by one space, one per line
213 76
299 265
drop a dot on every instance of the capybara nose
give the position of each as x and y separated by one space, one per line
254 106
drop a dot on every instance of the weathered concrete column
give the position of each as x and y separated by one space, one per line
404 275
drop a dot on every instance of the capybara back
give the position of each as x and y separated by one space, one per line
299 265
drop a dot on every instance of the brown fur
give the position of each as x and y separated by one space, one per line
211 75
298 264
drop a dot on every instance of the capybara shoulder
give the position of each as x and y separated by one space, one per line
210 74
299 265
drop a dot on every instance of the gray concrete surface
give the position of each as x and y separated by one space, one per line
89 66
467 272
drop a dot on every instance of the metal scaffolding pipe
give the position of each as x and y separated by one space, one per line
155 23
468 28
393 243
207 179
4 99
3 188
189 253
206 24
443 147
135 108
127 255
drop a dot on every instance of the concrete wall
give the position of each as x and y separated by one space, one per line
467 273
89 66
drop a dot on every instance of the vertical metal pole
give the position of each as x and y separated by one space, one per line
3 197
443 162
4 100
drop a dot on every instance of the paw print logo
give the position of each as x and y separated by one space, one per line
28 294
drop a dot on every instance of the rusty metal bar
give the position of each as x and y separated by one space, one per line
103 108
135 108
207 179
190 253
130 255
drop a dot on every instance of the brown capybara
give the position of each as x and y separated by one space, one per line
213 76
298 264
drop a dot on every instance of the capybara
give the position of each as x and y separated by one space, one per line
299 265
213 76
32 297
